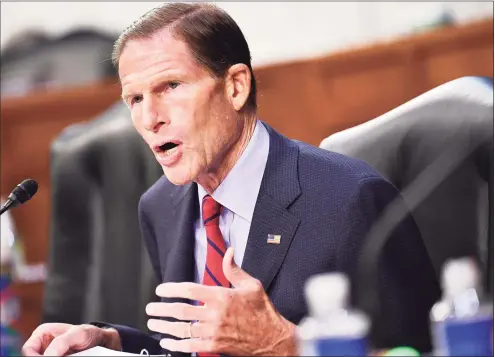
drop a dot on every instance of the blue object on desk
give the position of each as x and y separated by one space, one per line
342 347
468 337
10 340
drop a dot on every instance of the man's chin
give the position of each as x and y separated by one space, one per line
177 179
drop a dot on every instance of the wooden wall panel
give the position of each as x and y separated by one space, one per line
357 96
282 90
305 100
441 67
309 100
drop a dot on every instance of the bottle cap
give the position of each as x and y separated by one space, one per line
326 293
460 275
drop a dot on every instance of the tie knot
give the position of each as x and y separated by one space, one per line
211 211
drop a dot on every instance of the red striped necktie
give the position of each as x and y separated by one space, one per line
213 275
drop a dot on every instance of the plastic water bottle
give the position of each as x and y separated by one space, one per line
462 322
331 329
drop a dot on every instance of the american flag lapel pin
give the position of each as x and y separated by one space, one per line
273 239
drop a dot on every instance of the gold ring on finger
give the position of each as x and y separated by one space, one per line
190 329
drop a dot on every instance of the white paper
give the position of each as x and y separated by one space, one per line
102 351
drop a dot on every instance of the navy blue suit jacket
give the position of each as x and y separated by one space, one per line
322 204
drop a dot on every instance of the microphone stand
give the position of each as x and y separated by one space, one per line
8 204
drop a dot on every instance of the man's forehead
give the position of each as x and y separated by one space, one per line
163 38
160 44
165 52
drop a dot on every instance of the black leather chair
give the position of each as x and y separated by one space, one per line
98 267
446 136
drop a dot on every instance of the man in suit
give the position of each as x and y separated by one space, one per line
243 216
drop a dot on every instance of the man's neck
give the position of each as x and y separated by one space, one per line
211 180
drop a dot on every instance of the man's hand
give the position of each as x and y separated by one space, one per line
56 339
239 321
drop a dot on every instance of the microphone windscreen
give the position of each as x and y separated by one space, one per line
25 190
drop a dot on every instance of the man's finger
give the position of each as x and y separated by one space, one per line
235 275
188 346
31 348
178 311
41 338
189 291
76 339
29 351
59 346
180 329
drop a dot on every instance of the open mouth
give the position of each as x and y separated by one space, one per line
168 148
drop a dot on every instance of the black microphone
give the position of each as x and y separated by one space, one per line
23 192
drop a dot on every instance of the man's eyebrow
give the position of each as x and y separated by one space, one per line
126 95
162 78
165 77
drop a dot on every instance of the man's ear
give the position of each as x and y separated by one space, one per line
238 85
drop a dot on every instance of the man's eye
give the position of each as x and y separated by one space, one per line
173 85
136 99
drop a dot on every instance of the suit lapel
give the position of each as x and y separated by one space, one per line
180 257
279 188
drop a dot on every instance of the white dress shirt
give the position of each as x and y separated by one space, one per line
238 194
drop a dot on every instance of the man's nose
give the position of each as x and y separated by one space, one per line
153 117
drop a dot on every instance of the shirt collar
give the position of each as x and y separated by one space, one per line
238 192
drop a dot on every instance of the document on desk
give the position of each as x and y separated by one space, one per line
102 351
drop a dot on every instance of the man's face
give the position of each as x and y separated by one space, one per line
180 109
